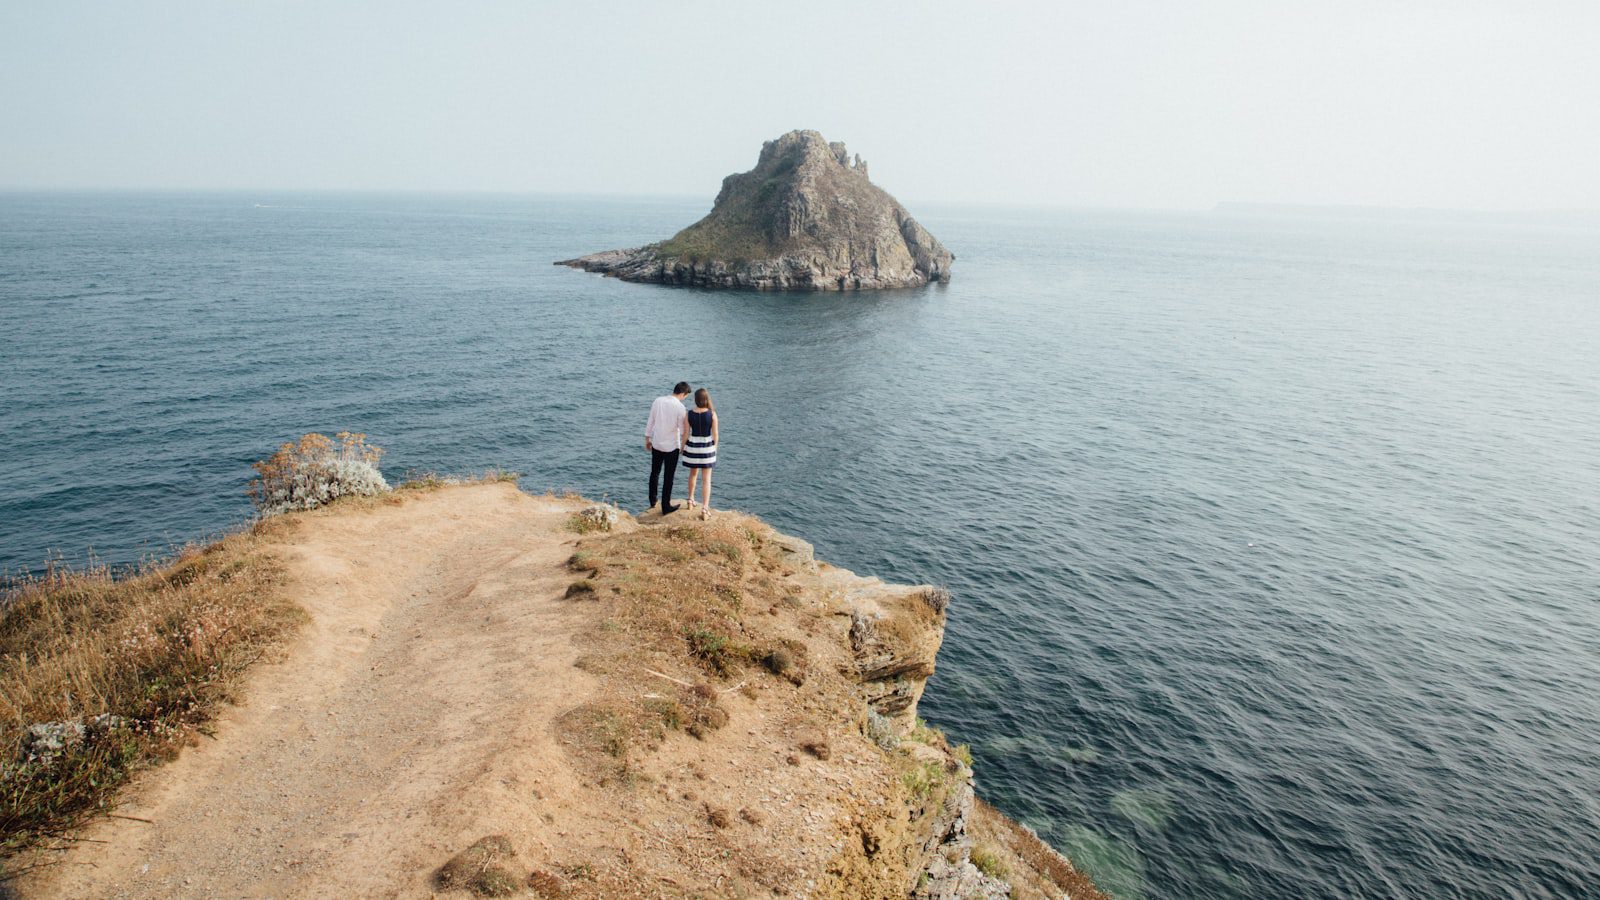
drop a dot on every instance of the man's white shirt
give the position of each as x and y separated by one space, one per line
668 416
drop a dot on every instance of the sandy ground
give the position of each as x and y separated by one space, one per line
411 716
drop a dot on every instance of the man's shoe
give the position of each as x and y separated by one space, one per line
668 509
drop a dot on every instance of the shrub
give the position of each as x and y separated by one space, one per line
314 471
881 730
990 863
778 661
702 713
923 779
547 884
923 733
718 652
668 711
600 517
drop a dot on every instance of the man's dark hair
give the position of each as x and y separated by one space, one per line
681 387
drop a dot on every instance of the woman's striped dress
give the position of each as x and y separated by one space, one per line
701 453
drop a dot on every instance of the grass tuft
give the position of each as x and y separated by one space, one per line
477 869
547 884
937 598
990 863
718 652
778 661
923 779
582 524
703 713
817 746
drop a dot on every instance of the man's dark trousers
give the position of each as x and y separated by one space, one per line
659 459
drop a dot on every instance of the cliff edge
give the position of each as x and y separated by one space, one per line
504 694
807 217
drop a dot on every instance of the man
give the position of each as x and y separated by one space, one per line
665 433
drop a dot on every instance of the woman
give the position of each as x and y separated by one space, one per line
700 454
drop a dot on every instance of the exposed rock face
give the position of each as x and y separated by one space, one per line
805 218
895 633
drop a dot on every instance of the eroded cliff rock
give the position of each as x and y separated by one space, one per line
805 218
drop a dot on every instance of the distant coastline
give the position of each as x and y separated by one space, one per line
1586 218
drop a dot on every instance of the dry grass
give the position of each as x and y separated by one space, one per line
432 481
678 604
925 781
582 524
702 714
990 863
158 649
547 884
690 616
477 869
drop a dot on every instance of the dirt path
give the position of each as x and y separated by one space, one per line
411 716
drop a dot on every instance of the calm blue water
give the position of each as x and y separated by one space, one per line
1274 540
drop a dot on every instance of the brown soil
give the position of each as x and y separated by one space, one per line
455 718
410 718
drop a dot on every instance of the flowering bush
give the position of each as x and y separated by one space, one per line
314 470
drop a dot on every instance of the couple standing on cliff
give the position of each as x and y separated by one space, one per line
672 430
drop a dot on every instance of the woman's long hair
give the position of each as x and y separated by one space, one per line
702 398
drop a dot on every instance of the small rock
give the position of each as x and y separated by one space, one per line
602 516
45 741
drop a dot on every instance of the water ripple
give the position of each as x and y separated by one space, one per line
1272 540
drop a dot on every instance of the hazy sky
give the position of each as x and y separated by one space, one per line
1174 104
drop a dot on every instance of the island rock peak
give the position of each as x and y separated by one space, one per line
807 217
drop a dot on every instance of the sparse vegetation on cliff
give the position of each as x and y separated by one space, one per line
725 626
689 707
104 673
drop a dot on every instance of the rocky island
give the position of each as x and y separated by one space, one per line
806 218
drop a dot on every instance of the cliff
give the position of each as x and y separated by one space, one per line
500 694
805 218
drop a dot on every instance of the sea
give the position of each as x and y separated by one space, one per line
1274 537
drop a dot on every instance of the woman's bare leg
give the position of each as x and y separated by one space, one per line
705 508
693 474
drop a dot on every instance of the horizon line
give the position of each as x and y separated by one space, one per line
1268 206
